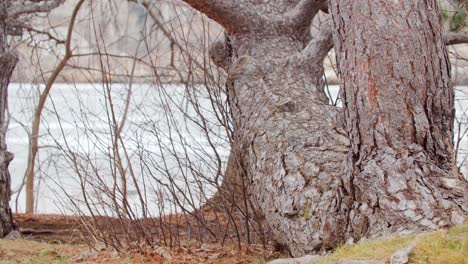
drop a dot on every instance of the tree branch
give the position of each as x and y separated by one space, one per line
318 48
305 11
40 6
453 38
233 15
300 17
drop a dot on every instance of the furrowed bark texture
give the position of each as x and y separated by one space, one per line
315 187
288 138
292 146
399 110
7 64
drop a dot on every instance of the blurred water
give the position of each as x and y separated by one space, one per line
77 132
78 120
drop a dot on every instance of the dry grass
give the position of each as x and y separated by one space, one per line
31 252
442 246
24 251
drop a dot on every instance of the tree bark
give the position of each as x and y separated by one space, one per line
320 180
291 140
36 122
7 64
399 110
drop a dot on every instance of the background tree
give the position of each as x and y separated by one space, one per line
34 140
10 24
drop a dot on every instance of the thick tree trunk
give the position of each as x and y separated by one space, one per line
399 110
315 187
292 144
284 130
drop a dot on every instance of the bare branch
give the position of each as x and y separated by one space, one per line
320 45
41 6
147 4
300 17
233 15
305 11
453 38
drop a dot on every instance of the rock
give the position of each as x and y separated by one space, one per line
13 235
402 255
358 261
209 247
86 255
114 254
163 252
350 241
307 259
216 255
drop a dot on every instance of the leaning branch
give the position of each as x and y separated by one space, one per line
34 144
300 17
318 48
453 38
233 15
41 7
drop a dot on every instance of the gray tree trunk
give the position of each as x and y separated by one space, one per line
320 179
289 140
399 111
10 11
7 64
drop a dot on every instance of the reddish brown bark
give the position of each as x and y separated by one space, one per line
399 110
315 188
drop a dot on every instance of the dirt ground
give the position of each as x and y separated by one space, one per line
59 239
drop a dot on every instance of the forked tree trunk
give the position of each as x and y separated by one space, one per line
315 187
399 111
289 140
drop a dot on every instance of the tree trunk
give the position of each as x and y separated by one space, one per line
289 138
7 64
293 148
399 111
315 187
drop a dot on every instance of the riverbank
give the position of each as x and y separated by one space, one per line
54 239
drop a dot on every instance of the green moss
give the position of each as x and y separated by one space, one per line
259 261
441 246
459 20
306 210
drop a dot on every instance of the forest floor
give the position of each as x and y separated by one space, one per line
57 239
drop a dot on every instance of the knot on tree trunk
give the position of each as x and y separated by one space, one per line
221 53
